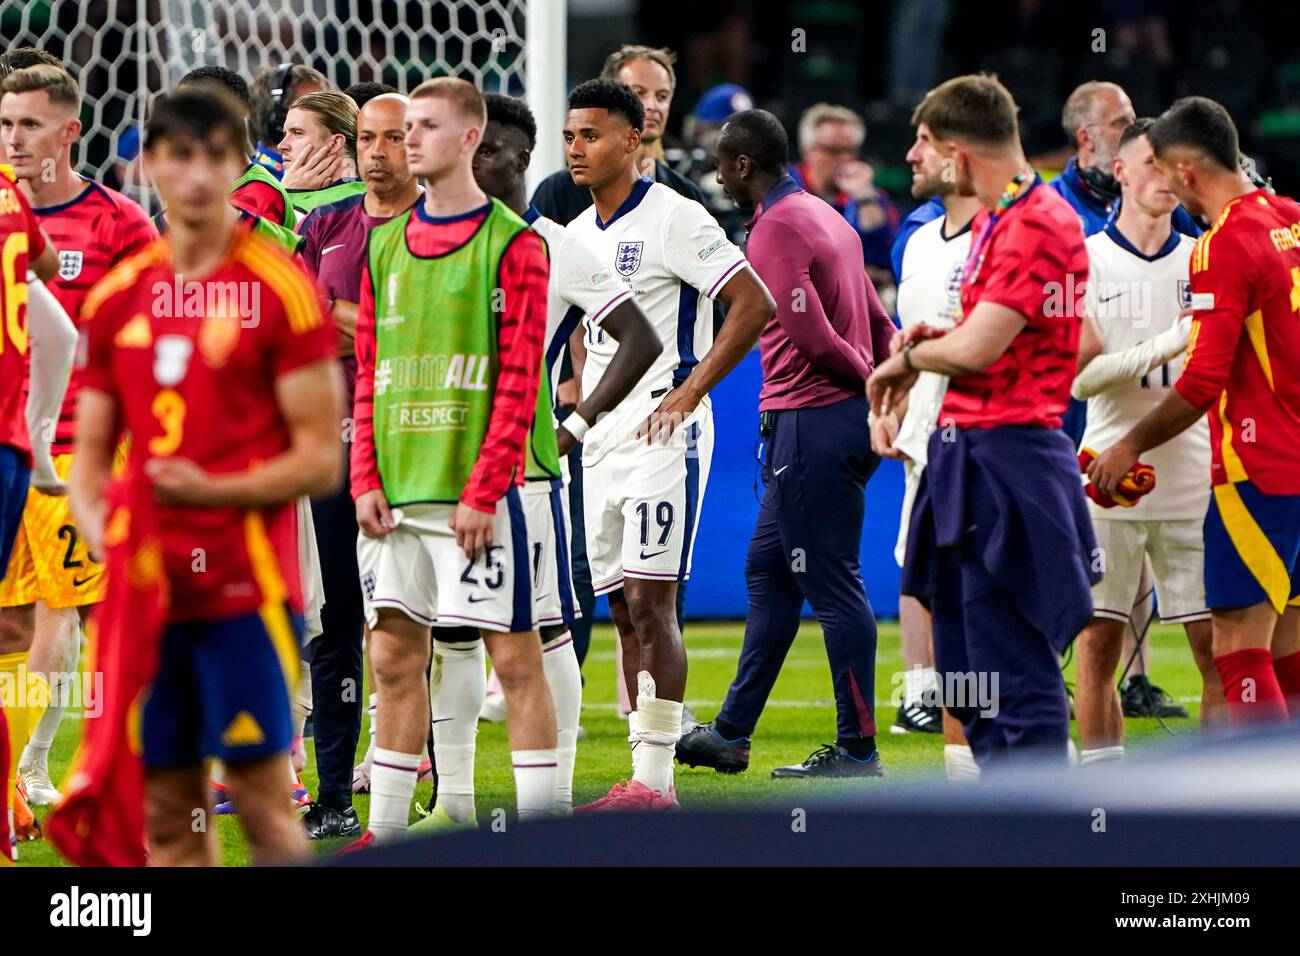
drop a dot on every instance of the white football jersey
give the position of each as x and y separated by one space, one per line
929 291
595 288
675 257
1132 297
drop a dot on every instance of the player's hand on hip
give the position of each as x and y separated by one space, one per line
564 440
888 384
473 529
179 481
676 407
1109 468
374 517
884 429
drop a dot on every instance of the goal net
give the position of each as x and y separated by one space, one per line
123 52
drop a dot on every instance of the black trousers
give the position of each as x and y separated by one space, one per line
336 663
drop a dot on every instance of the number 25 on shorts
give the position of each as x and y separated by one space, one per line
169 408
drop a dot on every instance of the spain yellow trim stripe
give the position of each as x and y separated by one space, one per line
1253 546
122 276
1201 252
1232 464
1255 332
266 571
294 291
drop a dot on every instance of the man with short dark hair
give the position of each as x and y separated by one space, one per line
817 353
230 421
1245 277
1000 544
256 191
649 73
647 463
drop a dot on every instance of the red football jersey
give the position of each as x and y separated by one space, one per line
21 241
202 387
1245 276
1035 262
93 233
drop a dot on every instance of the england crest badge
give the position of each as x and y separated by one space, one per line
628 258
70 264
1184 293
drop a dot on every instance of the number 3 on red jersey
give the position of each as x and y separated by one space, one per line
169 408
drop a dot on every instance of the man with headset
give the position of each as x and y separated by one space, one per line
274 90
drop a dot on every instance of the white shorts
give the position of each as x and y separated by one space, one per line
1177 552
912 472
419 569
641 504
313 585
546 510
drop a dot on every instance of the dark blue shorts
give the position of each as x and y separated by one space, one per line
222 690
1252 548
15 479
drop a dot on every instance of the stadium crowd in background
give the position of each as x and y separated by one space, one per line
528 425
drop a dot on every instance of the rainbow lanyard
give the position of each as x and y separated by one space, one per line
1019 187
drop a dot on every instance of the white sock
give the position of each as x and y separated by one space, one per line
534 782
37 752
372 711
915 681
1101 755
301 703
659 727
564 677
959 762
1071 752
633 737
458 685
392 785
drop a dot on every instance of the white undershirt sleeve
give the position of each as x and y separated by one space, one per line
53 340
1111 369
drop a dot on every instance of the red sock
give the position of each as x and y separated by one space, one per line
1250 686
1288 678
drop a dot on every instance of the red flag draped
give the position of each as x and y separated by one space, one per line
100 820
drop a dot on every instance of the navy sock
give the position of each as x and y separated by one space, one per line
727 732
859 748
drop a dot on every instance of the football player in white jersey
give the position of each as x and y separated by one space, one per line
457 681
929 292
1138 292
646 464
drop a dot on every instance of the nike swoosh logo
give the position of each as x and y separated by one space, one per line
646 557
439 720
781 469
332 248
1111 298
476 600
78 582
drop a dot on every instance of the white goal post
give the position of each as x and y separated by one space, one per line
123 52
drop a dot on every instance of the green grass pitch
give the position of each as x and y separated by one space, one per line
799 718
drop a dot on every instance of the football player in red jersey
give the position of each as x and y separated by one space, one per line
1245 275
233 414
24 246
52 575
1000 544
